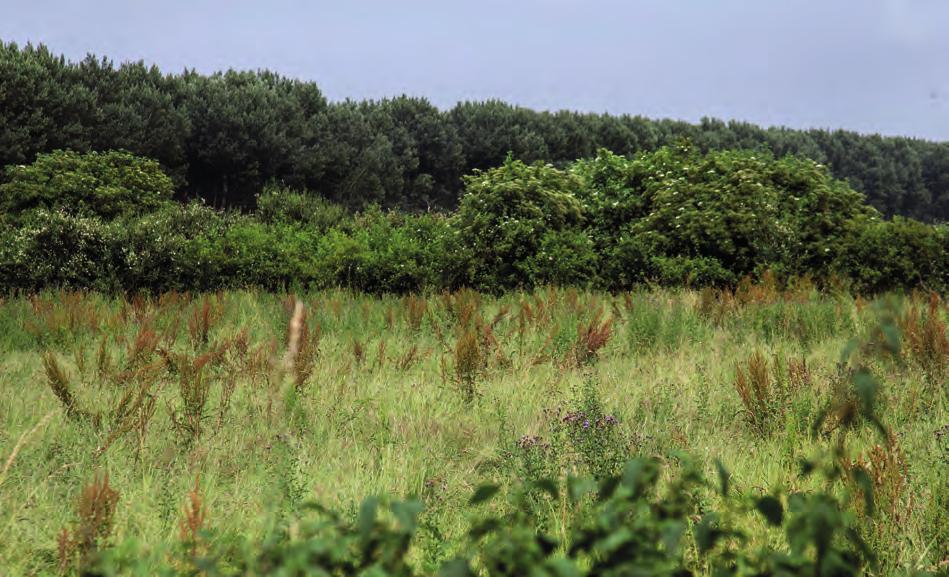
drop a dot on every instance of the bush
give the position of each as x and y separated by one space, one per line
104 184
283 205
563 258
170 249
902 253
683 217
674 217
504 215
384 253
59 249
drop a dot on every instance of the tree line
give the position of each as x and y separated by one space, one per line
223 137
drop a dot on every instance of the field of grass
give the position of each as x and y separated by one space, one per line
229 412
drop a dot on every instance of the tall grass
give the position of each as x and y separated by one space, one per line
278 400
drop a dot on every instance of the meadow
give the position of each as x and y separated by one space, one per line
192 434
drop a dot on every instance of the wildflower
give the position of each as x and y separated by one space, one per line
528 441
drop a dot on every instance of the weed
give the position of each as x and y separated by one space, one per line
78 548
590 339
761 399
469 361
58 382
194 523
925 337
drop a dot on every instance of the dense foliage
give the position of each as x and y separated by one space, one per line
675 217
223 137
108 184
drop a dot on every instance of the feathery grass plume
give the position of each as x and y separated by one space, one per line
717 305
359 352
925 338
241 347
194 522
194 387
408 358
135 408
21 442
799 375
294 332
202 320
142 348
141 308
888 472
415 308
381 354
103 358
79 359
95 511
469 361
305 359
590 339
58 382
757 392
763 291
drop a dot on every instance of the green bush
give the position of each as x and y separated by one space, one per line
673 217
504 215
384 253
284 205
170 249
104 184
563 258
59 249
902 253
682 217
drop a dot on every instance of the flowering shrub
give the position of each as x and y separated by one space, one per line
508 220
106 184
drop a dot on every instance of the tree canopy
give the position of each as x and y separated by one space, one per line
224 137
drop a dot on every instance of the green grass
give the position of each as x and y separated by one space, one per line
397 422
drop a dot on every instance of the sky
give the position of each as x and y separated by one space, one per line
865 65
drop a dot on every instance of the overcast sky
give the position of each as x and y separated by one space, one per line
866 65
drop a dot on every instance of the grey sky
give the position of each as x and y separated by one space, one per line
866 65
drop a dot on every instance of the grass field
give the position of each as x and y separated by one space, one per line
214 412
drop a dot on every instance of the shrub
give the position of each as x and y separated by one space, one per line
59 249
279 204
711 219
504 214
385 253
902 253
563 258
170 249
105 184
250 253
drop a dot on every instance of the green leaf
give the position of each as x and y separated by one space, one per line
672 532
707 533
486 526
723 477
457 567
367 515
407 513
772 509
484 493
563 567
579 487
